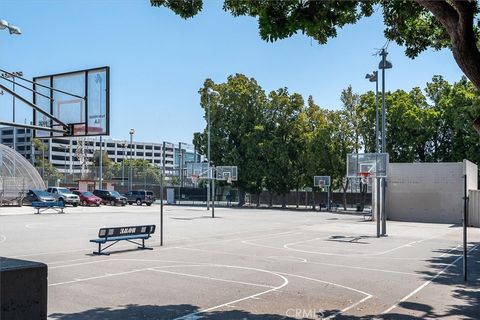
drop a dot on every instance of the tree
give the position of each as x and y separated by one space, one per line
237 128
283 142
42 164
416 25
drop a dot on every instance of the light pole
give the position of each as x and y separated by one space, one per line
131 132
373 77
124 146
210 92
383 65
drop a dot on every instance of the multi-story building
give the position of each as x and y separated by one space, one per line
65 154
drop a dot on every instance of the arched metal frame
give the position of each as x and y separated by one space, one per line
17 175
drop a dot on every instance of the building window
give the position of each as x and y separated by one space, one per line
140 146
148 154
157 148
111 145
139 154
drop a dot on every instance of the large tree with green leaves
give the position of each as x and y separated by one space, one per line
417 25
237 128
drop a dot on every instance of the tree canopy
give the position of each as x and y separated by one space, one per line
416 25
279 141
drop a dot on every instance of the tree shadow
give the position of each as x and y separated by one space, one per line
155 312
467 292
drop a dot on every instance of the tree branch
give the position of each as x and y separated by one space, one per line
443 11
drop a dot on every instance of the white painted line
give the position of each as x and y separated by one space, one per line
363 268
97 277
128 245
3 238
367 295
325 282
287 258
426 283
212 278
285 282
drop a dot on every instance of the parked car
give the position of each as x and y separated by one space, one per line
64 195
110 197
35 195
140 197
87 198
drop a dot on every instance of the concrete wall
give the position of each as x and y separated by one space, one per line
428 192
474 208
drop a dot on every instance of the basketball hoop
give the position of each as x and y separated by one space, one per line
229 180
364 176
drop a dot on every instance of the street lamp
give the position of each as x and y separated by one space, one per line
131 132
383 65
373 77
210 92
11 28
124 146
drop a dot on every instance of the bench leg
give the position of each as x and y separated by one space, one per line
99 252
143 246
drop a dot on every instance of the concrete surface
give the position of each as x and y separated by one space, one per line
246 264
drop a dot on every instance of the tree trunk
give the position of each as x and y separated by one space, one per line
284 200
313 200
241 197
258 199
344 196
458 19
270 199
363 193
298 200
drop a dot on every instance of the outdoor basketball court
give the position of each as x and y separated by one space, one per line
246 264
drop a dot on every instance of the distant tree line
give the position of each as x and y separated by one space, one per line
279 141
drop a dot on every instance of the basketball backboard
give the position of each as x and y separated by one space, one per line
372 164
198 169
80 99
227 173
321 181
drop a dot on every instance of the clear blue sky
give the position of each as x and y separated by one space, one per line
159 61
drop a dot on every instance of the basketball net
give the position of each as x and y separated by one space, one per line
194 178
364 176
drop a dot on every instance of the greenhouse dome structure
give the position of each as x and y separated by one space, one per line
17 176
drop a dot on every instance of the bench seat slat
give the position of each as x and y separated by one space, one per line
104 240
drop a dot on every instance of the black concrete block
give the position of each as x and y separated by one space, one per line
23 290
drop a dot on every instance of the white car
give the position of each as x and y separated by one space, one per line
64 195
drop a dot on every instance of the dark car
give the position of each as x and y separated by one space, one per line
87 198
110 197
38 195
140 196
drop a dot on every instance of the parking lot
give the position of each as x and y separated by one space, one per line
246 264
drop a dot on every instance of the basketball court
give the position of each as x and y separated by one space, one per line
246 264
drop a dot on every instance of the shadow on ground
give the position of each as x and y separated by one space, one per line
152 312
467 295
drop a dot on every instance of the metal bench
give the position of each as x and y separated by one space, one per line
117 234
57 206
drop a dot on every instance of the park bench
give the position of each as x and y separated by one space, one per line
57 206
117 234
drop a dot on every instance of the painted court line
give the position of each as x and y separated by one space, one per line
426 283
285 282
367 295
212 278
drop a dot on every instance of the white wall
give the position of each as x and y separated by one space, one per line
428 192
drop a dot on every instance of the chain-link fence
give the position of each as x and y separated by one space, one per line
126 178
